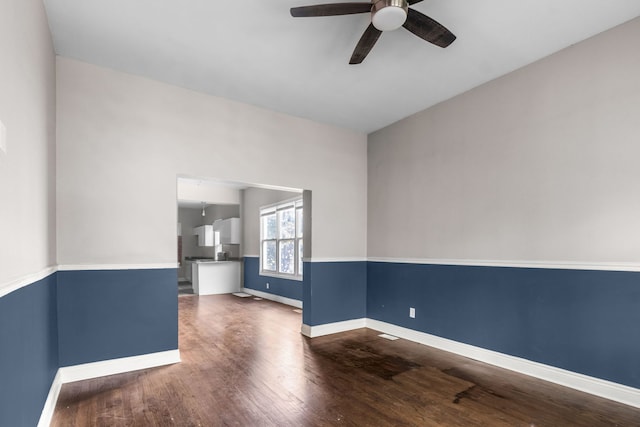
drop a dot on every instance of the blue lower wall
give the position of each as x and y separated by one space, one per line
277 286
334 292
28 351
582 321
108 314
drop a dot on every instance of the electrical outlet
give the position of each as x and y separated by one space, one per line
267 285
412 312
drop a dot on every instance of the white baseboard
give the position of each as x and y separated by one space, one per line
50 404
86 371
117 366
332 328
607 389
277 298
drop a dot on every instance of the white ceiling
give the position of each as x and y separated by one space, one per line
253 51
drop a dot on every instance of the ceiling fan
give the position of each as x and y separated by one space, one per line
386 15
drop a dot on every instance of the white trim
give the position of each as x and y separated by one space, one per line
117 366
332 328
284 204
90 267
563 265
345 259
277 298
50 404
21 282
103 368
306 330
275 275
274 209
335 259
607 389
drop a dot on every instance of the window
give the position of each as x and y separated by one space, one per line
281 240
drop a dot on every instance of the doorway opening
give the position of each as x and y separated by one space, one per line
221 239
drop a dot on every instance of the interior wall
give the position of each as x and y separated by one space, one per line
216 212
28 323
110 314
122 140
27 169
535 169
539 165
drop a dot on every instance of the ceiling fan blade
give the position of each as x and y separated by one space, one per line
413 1
364 46
331 9
428 29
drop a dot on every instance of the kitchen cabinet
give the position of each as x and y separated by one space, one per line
229 230
205 235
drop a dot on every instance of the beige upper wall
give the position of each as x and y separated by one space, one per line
27 170
122 140
539 165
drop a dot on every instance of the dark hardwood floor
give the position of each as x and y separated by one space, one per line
245 363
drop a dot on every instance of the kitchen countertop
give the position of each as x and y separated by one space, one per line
216 277
211 261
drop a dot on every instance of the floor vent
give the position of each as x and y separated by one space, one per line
388 337
241 294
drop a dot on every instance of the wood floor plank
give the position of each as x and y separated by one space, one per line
245 363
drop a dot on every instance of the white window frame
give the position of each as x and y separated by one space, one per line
297 239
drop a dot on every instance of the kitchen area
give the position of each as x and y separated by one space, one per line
209 238
219 239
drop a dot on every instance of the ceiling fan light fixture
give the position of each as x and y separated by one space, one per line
388 15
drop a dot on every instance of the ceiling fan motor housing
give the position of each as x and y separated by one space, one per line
387 15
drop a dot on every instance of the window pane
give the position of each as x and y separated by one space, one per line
300 252
287 257
298 222
287 221
269 226
269 256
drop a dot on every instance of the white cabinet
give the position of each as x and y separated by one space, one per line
229 230
205 235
